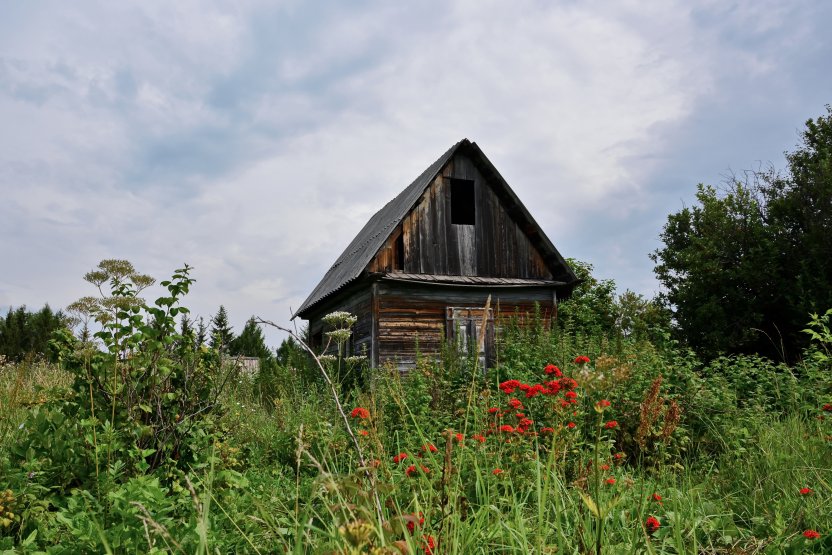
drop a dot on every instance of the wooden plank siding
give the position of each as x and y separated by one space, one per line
496 246
360 304
412 316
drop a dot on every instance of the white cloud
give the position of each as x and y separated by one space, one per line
253 142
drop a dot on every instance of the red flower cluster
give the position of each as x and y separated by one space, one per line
652 524
805 491
428 544
515 403
360 412
827 407
427 447
611 424
657 498
478 437
363 432
507 429
571 425
581 359
811 534
610 481
497 471
602 404
509 386
399 458
552 369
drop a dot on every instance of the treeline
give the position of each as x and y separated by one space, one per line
25 333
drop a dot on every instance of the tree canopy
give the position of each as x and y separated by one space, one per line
745 266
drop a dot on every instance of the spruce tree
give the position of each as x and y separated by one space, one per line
251 342
221 335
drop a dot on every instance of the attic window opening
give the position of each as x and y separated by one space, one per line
463 207
399 253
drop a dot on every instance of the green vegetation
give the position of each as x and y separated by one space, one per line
155 444
744 267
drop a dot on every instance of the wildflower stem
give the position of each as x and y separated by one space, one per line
338 406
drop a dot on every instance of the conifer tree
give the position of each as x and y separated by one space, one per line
221 334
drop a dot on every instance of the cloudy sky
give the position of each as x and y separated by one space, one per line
252 140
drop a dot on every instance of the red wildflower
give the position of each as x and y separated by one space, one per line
428 447
459 437
547 430
611 424
360 412
564 403
520 415
827 407
657 498
400 457
605 467
525 424
581 359
552 388
567 383
509 386
478 437
428 544
610 481
515 403
411 470
493 410
805 491
375 463
411 524
534 390
652 524
618 456
524 387
552 369
602 404
811 534
507 429
570 425
364 432
497 471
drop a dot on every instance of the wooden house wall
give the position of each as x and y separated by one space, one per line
407 314
495 247
359 304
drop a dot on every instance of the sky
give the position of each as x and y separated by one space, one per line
252 140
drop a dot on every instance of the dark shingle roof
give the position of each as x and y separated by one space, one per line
375 232
358 254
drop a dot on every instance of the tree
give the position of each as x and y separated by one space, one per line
744 267
221 335
250 342
201 333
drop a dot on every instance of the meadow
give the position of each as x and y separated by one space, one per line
579 440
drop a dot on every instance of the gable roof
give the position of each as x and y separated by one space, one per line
358 254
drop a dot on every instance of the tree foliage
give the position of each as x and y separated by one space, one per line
745 266
23 332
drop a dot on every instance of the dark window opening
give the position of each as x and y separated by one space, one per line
399 254
463 207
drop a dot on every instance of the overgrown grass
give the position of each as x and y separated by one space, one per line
280 475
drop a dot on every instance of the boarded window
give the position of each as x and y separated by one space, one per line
463 206
398 262
464 327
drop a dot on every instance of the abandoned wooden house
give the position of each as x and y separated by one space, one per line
421 270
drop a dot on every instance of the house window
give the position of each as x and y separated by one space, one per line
463 207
